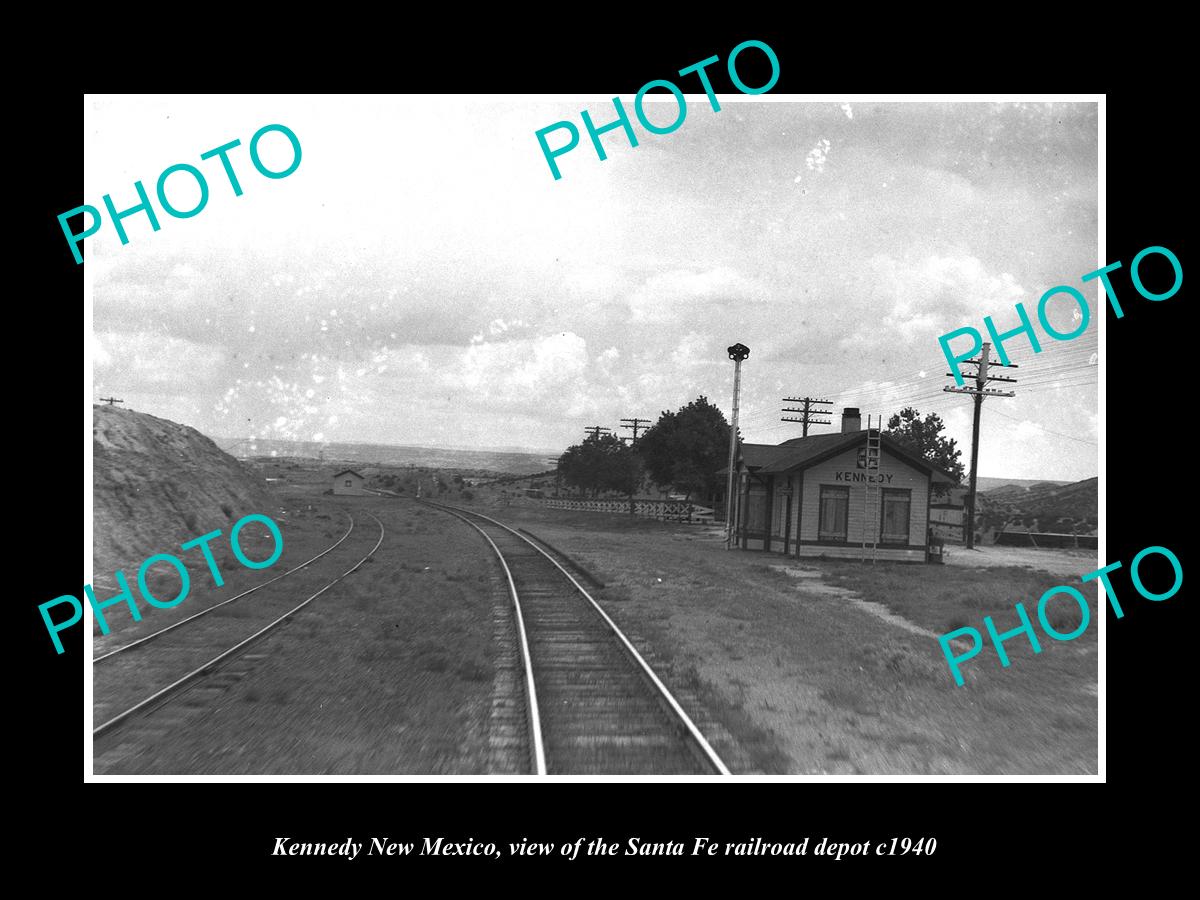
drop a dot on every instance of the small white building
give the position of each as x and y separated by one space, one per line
348 482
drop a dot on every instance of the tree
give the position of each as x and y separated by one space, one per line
578 467
687 448
600 464
924 438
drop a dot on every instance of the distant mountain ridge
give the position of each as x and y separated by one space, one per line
515 463
990 484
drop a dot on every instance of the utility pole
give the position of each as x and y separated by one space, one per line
737 353
595 430
808 412
557 474
636 424
110 400
979 391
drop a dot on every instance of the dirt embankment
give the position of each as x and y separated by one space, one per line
156 484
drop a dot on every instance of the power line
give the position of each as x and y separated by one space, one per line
636 424
595 431
937 401
808 412
1075 378
911 379
1065 361
978 393
1047 430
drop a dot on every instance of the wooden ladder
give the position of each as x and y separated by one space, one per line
871 518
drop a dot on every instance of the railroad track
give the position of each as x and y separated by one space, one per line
216 606
594 705
181 661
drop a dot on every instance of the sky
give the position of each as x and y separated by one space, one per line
421 278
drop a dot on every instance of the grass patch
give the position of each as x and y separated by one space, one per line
848 697
1071 723
760 744
473 670
903 742
615 594
935 596
895 664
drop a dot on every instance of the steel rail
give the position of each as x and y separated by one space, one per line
709 753
209 609
535 721
216 660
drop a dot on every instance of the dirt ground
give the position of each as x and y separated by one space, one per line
1066 563
836 669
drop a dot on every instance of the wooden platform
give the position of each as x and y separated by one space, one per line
845 551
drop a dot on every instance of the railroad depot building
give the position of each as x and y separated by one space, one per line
826 494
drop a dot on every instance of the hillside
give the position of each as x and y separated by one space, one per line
987 483
156 484
1043 506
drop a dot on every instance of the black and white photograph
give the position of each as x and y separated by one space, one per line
683 435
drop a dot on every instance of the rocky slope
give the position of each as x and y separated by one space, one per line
156 484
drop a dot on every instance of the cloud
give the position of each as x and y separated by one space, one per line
497 328
480 302
154 361
815 161
683 295
692 348
100 356
546 368
933 294
1025 431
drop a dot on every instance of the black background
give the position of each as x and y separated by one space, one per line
988 830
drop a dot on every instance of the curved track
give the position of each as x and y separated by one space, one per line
169 656
207 610
595 706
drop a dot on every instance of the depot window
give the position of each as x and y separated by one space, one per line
835 511
897 506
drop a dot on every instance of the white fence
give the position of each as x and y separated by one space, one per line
667 510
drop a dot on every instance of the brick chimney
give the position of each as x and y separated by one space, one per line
851 420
